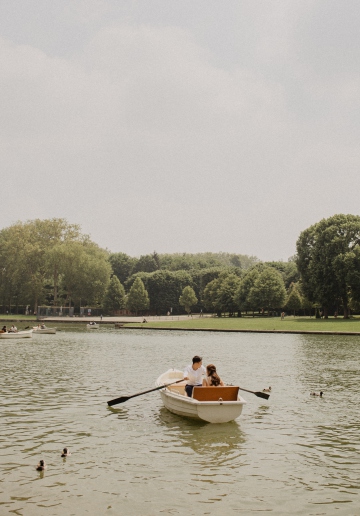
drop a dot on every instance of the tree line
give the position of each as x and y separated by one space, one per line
50 262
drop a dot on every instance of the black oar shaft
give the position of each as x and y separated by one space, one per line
122 399
258 393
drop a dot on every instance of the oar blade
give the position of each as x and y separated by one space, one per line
262 395
118 400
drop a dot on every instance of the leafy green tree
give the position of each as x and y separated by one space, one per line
188 298
164 289
328 258
268 290
288 270
186 261
147 263
115 297
212 297
138 298
226 295
200 278
219 294
122 266
41 258
26 254
294 300
85 272
241 295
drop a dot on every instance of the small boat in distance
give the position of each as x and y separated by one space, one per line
44 329
92 326
25 334
211 404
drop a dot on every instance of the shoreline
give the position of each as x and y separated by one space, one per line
229 330
131 324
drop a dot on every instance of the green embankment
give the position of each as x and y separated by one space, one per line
262 324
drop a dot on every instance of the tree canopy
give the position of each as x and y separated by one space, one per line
50 261
328 258
188 298
268 290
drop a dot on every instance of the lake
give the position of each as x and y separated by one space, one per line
293 454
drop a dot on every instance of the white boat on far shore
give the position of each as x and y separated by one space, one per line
92 326
25 334
44 329
211 404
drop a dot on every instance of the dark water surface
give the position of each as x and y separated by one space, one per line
293 454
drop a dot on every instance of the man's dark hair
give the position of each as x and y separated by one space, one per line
196 359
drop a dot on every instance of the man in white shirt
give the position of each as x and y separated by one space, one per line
193 373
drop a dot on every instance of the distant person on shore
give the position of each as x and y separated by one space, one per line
282 316
212 378
193 373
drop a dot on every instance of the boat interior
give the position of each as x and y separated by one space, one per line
226 393
179 388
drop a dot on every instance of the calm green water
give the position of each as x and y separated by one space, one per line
292 454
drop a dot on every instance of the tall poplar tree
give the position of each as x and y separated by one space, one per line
138 298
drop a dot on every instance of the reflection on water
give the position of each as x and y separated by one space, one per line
215 445
293 454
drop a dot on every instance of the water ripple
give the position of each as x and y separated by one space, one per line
292 455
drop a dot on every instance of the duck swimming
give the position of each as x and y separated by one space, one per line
65 452
316 394
267 390
41 466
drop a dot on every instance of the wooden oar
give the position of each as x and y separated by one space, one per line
122 399
259 394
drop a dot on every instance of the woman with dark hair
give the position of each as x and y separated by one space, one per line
212 379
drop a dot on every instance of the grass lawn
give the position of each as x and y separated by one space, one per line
290 323
17 317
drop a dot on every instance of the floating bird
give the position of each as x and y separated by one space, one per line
316 394
65 452
267 390
41 466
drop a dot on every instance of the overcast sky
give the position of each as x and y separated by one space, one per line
181 125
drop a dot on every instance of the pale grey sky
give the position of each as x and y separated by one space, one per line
178 125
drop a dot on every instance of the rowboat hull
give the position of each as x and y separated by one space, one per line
92 326
17 335
176 401
47 331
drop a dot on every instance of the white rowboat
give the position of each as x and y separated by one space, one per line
17 335
93 326
211 404
44 330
